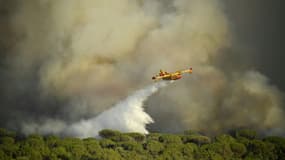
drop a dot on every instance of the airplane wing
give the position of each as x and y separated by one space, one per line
187 71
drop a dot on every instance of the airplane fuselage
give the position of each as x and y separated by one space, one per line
171 76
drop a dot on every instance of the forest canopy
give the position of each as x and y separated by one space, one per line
114 145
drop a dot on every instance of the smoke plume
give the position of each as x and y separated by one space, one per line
65 62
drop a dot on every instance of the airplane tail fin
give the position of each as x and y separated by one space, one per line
190 70
187 71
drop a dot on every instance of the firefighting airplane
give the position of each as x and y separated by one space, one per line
171 76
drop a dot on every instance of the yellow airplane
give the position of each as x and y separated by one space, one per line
171 76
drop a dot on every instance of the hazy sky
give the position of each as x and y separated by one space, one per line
259 26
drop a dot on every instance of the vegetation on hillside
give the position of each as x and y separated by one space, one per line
242 144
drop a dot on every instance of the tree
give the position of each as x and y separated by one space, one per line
106 143
6 133
52 141
188 150
153 136
132 146
215 148
23 158
243 140
135 146
172 151
238 149
74 146
171 154
108 133
137 136
197 139
190 132
154 147
247 133
60 152
34 146
93 146
204 153
224 138
3 155
262 150
279 145
121 138
109 154
167 138
8 146
130 155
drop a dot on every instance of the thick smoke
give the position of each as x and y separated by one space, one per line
71 60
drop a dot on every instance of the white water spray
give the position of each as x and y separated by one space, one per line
126 116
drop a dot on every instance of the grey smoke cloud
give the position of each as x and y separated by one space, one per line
72 60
